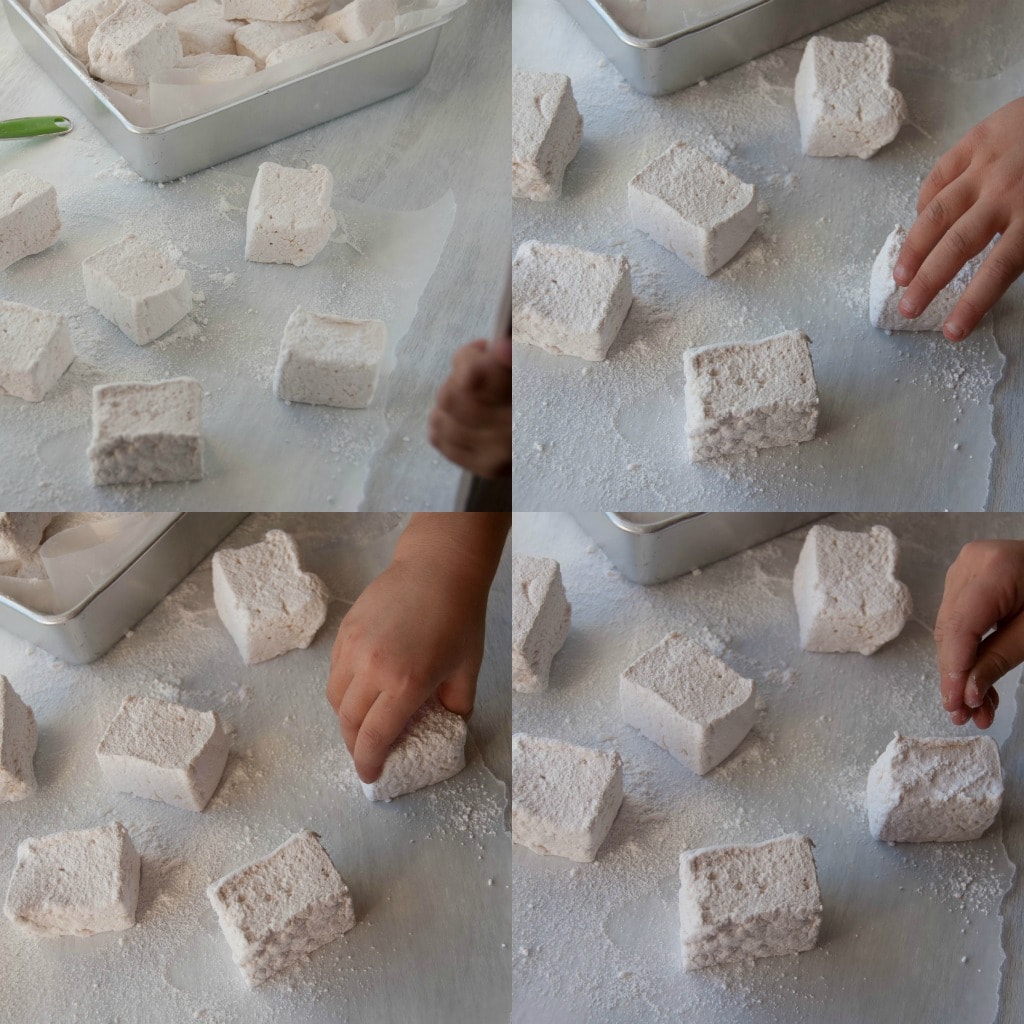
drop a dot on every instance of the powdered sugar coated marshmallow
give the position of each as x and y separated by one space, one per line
258 39
745 901
569 301
163 751
275 911
74 23
687 701
937 790
847 595
546 133
845 100
265 600
359 19
21 533
29 219
290 218
541 616
746 395
694 207
75 883
274 10
564 797
133 43
203 29
147 432
301 46
35 350
18 735
430 749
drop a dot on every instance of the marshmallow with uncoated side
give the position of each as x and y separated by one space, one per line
18 735
75 883
21 534
541 617
35 350
569 301
359 19
934 790
132 44
265 600
29 218
203 28
258 39
300 47
218 67
564 797
289 219
546 133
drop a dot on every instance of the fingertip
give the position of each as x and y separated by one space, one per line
909 308
953 331
959 717
502 351
369 772
901 275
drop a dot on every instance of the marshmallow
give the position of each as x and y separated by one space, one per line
29 219
147 432
564 797
74 23
739 902
265 600
275 911
259 39
359 19
290 218
569 301
934 790
746 395
846 591
689 702
167 6
75 883
541 617
137 289
203 29
21 533
301 46
329 360
18 735
430 749
35 350
844 98
218 67
163 751
885 294
274 10
546 133
693 207
133 43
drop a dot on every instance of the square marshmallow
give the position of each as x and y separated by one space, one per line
564 797
740 902
147 432
546 133
133 43
29 219
746 395
689 702
430 749
137 289
290 218
693 207
167 6
18 735
259 39
301 46
844 98
74 23
35 350
541 616
203 29
359 19
846 591
569 301
75 883
163 751
21 534
885 294
329 360
934 790
218 67
276 910
265 600
274 10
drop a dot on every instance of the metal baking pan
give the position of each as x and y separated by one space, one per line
180 148
652 547
88 630
663 63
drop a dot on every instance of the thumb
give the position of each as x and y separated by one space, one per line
458 693
501 349
997 655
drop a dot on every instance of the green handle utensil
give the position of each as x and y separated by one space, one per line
33 127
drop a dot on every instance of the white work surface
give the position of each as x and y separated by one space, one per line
910 932
423 150
429 872
907 421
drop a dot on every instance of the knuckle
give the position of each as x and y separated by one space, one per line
958 243
349 721
936 212
1003 267
998 663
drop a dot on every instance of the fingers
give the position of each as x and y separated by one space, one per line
381 726
1001 267
998 653
339 676
930 227
501 349
985 715
458 694
950 166
486 451
477 374
352 712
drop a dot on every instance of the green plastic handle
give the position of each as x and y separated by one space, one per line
31 127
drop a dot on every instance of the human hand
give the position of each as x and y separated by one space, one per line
975 191
471 423
984 591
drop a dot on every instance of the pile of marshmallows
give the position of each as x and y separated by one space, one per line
739 396
150 432
686 700
273 911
